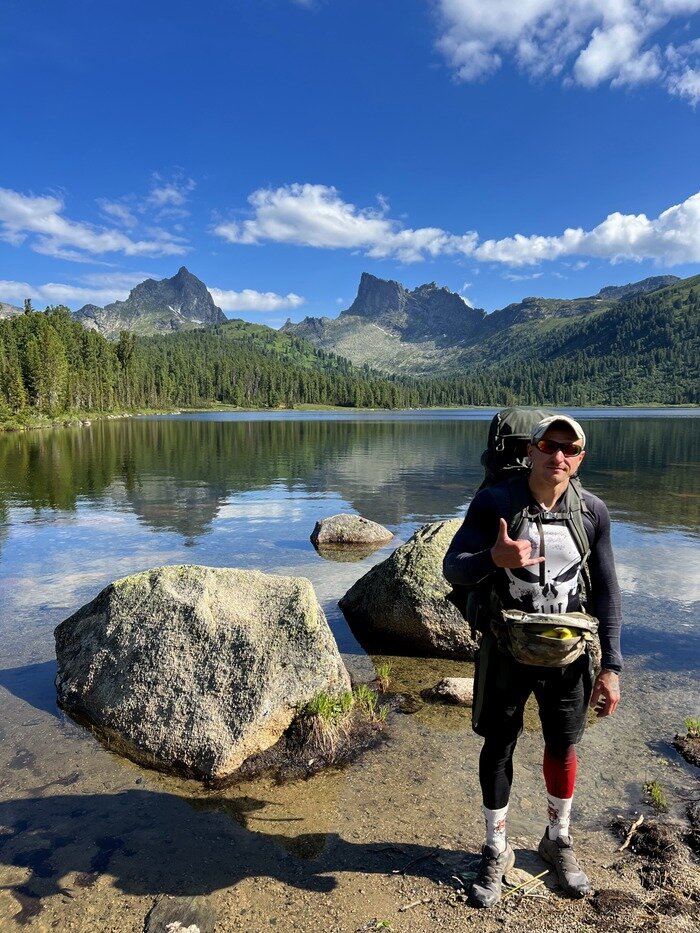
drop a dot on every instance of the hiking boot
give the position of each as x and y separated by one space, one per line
486 890
559 853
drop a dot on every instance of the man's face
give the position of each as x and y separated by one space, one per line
557 467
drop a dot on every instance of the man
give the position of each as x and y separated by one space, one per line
538 571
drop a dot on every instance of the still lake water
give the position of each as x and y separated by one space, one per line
80 507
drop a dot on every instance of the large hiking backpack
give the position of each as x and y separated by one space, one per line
505 458
506 448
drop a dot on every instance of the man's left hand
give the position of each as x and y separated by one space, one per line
606 693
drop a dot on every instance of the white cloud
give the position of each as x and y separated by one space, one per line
99 288
685 65
39 221
54 293
587 41
103 288
250 300
671 238
315 215
518 277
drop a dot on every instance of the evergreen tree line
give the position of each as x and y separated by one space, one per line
643 351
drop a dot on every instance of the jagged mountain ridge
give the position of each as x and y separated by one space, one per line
651 284
156 306
432 330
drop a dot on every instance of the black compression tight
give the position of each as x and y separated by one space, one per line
496 769
496 772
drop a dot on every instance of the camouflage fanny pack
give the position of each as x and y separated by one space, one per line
545 639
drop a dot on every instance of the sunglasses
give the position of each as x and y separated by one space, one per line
568 448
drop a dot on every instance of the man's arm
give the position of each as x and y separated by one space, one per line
483 544
607 607
468 560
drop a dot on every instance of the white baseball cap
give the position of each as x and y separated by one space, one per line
546 423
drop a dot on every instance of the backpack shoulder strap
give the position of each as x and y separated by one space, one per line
576 508
519 495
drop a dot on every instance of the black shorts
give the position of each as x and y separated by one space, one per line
502 686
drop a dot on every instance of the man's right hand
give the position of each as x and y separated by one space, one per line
507 552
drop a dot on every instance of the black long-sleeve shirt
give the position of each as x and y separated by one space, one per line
468 561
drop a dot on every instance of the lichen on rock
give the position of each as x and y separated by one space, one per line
195 669
400 605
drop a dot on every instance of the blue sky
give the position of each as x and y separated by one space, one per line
279 148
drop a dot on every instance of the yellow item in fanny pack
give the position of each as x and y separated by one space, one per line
559 632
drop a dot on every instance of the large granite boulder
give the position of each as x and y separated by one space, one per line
351 530
400 604
195 669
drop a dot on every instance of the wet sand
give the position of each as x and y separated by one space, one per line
91 841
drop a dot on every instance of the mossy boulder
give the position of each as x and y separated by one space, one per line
195 669
400 605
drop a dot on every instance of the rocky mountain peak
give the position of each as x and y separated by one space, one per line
156 306
375 296
429 309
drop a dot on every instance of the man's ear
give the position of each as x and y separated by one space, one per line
583 457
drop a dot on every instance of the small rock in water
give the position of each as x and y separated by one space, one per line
458 690
181 915
347 529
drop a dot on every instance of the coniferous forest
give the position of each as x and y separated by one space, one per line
642 351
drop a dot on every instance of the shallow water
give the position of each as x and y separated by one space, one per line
80 507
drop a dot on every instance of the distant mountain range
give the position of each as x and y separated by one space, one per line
155 307
432 330
9 310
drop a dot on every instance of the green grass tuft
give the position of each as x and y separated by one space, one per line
383 676
693 726
654 793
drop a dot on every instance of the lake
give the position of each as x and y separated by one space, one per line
82 506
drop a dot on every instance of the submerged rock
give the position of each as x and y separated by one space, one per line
458 690
400 604
181 915
346 553
347 529
195 669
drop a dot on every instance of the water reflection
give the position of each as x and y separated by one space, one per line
181 475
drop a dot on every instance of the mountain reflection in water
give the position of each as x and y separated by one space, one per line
177 474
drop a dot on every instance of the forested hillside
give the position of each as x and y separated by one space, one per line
644 350
51 365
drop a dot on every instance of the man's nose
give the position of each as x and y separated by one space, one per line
558 455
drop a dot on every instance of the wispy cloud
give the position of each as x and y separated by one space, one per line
587 42
166 200
169 196
316 216
250 300
521 277
39 222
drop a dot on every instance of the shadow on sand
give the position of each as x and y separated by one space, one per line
154 843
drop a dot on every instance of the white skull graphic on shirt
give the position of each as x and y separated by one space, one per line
559 593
